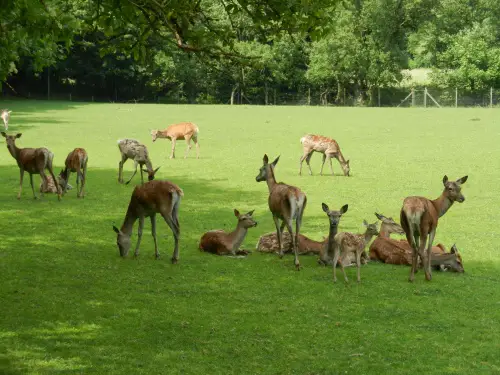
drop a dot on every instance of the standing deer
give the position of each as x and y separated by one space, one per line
31 160
147 200
76 161
132 149
183 130
328 249
328 147
390 251
286 203
222 243
352 243
419 219
5 115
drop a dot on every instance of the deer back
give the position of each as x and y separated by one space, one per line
76 159
284 200
155 196
181 130
215 242
319 143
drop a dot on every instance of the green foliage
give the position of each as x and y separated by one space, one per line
70 304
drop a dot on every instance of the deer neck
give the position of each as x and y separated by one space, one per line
237 236
129 221
367 237
331 235
442 204
148 164
437 259
14 151
271 180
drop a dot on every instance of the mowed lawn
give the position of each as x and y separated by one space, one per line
70 304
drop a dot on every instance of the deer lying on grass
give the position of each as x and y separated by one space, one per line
419 219
352 243
76 161
132 149
286 203
183 130
51 186
147 200
328 147
222 243
5 115
390 251
31 160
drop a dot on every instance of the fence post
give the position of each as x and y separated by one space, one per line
69 96
48 83
456 97
92 97
309 96
378 88
413 102
491 97
425 97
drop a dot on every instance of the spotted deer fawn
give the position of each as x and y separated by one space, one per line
352 243
147 200
419 219
183 130
5 115
222 243
132 149
51 186
76 161
286 203
391 251
326 146
31 160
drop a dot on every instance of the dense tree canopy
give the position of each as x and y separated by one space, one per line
238 50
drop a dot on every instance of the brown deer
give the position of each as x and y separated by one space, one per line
387 250
5 115
153 197
352 243
132 149
419 219
286 203
328 147
76 161
31 160
51 186
183 130
222 243
326 254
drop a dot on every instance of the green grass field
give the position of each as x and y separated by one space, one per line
70 304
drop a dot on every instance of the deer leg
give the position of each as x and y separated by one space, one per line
65 189
84 179
428 259
358 265
172 156
308 162
153 233
279 230
336 255
139 236
32 187
331 166
322 165
294 243
195 140
188 147
135 171
302 158
176 232
21 176
120 169
142 176
82 184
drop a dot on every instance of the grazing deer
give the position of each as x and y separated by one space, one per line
51 186
387 250
5 115
183 130
419 219
222 243
328 147
76 161
132 149
31 160
352 243
286 203
153 197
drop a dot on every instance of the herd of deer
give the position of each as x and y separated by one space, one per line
419 216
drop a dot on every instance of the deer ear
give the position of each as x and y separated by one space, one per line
3 134
18 135
266 159
344 208
347 162
325 207
156 170
250 213
445 179
462 180
365 223
453 249
9 112
236 212
380 217
116 229
276 161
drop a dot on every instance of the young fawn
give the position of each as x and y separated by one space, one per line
352 243
222 243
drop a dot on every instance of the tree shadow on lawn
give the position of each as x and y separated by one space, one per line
28 107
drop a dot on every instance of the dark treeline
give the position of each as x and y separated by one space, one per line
241 51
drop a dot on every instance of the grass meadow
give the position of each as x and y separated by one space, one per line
71 305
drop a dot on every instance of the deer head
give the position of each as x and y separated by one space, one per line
452 189
267 169
151 174
456 263
123 242
245 220
63 179
371 229
11 141
346 168
389 225
334 216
